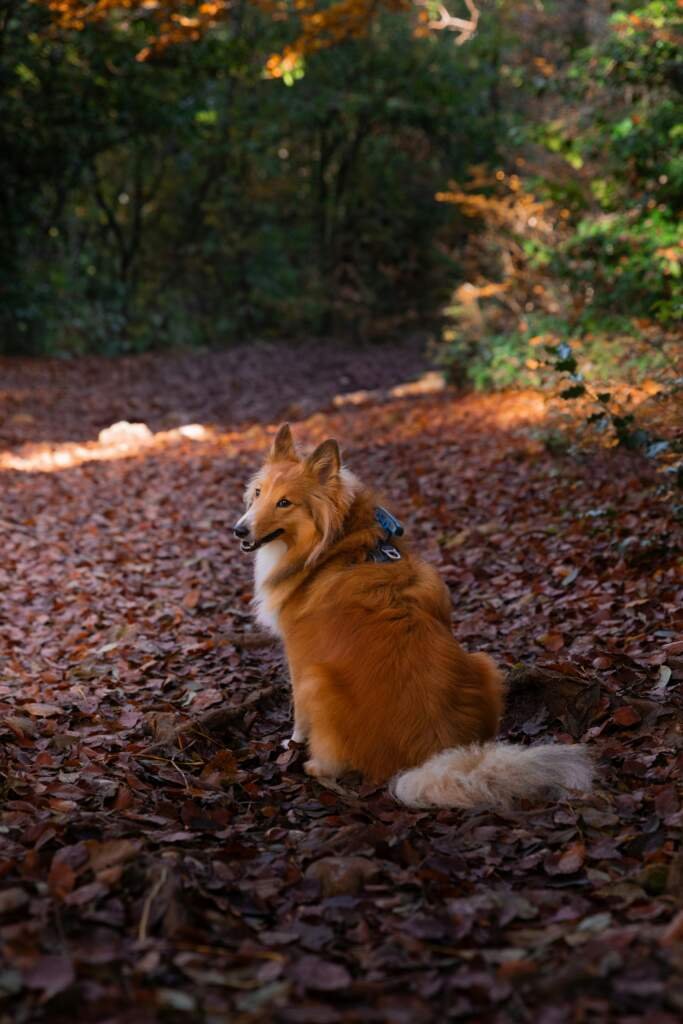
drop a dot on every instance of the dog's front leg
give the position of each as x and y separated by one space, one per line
300 730
301 724
325 762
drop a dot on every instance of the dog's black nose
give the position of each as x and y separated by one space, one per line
241 531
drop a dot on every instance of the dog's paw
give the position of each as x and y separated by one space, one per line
293 740
319 770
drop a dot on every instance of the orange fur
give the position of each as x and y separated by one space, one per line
379 683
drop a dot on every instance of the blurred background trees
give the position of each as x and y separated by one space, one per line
177 174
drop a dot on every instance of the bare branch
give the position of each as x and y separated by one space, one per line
448 22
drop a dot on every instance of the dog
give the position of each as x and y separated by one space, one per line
379 683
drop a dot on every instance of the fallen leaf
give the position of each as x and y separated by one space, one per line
673 932
321 975
51 975
112 852
626 716
61 879
12 899
341 874
566 862
41 710
552 641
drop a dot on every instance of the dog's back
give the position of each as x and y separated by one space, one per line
377 671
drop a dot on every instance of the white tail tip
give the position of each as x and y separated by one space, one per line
494 775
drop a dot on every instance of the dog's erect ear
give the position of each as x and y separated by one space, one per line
325 461
283 445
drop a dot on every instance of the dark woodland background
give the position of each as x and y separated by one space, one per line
524 185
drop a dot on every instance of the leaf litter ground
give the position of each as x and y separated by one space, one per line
163 858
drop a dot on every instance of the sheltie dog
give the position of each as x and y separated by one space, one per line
379 683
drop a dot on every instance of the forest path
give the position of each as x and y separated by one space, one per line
193 884
73 400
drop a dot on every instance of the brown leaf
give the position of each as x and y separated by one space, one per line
12 899
673 932
321 975
221 768
341 874
112 852
61 879
626 716
553 641
513 969
566 862
51 975
40 710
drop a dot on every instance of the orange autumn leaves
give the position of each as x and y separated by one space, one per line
175 21
320 29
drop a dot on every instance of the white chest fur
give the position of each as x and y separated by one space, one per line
267 560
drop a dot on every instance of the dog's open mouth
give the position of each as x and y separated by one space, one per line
248 545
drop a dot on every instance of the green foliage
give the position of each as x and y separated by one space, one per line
604 129
629 261
523 358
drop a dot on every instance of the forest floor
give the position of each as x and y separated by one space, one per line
202 877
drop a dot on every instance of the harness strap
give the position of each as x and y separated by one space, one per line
384 550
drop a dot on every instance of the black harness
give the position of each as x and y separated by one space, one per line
384 550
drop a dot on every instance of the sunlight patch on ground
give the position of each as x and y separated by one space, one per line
119 441
396 413
431 382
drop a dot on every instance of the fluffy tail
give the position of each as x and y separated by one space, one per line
493 774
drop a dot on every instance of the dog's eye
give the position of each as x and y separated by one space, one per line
283 503
257 492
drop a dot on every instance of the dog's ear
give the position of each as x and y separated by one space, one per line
283 445
325 461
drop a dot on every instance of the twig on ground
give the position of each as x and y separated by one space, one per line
149 899
213 721
249 640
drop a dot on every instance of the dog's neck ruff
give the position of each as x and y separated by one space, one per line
268 557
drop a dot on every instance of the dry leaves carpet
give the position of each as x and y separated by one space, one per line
163 859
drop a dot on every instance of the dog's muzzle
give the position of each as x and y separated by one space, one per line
242 533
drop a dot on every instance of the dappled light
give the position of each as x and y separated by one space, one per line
125 440
120 444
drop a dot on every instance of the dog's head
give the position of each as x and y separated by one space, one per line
299 500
